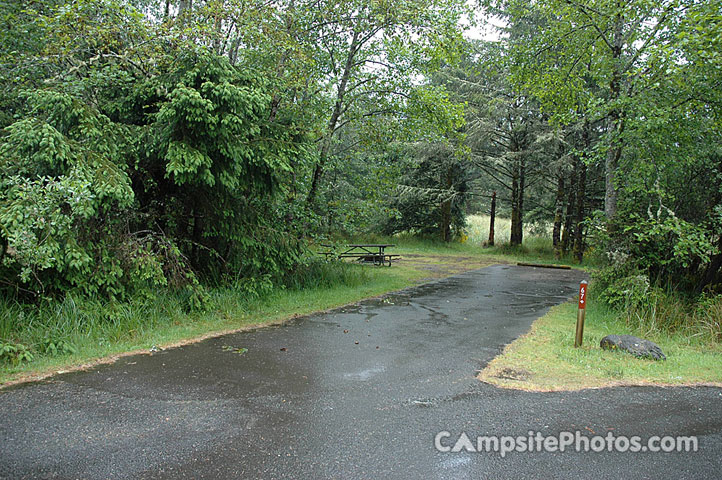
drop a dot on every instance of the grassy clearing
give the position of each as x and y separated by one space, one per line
545 359
477 230
537 245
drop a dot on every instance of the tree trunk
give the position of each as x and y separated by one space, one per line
233 49
615 124
514 240
197 237
558 216
517 212
317 171
522 184
569 217
578 228
446 209
492 216
581 194
333 121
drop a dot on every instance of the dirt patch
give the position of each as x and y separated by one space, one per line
439 266
513 374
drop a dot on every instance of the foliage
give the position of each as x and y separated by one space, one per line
166 148
15 353
213 164
639 74
65 191
650 307
431 197
152 147
53 347
123 177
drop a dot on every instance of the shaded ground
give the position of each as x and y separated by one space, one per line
360 392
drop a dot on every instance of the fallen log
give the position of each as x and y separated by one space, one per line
544 265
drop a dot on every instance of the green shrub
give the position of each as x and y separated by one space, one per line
650 309
54 347
14 353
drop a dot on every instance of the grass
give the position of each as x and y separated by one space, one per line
545 359
537 245
477 230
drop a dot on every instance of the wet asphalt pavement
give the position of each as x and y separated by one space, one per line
360 392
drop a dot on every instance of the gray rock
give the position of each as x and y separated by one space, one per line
638 347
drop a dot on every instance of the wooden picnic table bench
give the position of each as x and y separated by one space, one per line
374 253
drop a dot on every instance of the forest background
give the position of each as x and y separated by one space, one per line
162 161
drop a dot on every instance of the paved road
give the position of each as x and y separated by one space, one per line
308 400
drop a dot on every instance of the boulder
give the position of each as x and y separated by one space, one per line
638 347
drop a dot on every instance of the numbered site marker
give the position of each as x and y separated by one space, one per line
580 313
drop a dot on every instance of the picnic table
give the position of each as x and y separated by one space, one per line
374 253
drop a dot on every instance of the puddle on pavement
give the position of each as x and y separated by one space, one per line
365 374
393 299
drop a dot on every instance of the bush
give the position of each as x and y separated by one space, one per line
114 190
54 347
650 308
14 353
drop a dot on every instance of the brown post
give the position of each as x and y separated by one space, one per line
491 221
580 314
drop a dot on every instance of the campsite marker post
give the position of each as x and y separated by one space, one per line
580 313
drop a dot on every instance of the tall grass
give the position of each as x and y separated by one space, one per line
658 309
79 321
477 228
666 312
537 239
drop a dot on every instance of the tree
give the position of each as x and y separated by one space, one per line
648 71
368 53
624 45
431 197
502 127
339 65
139 160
